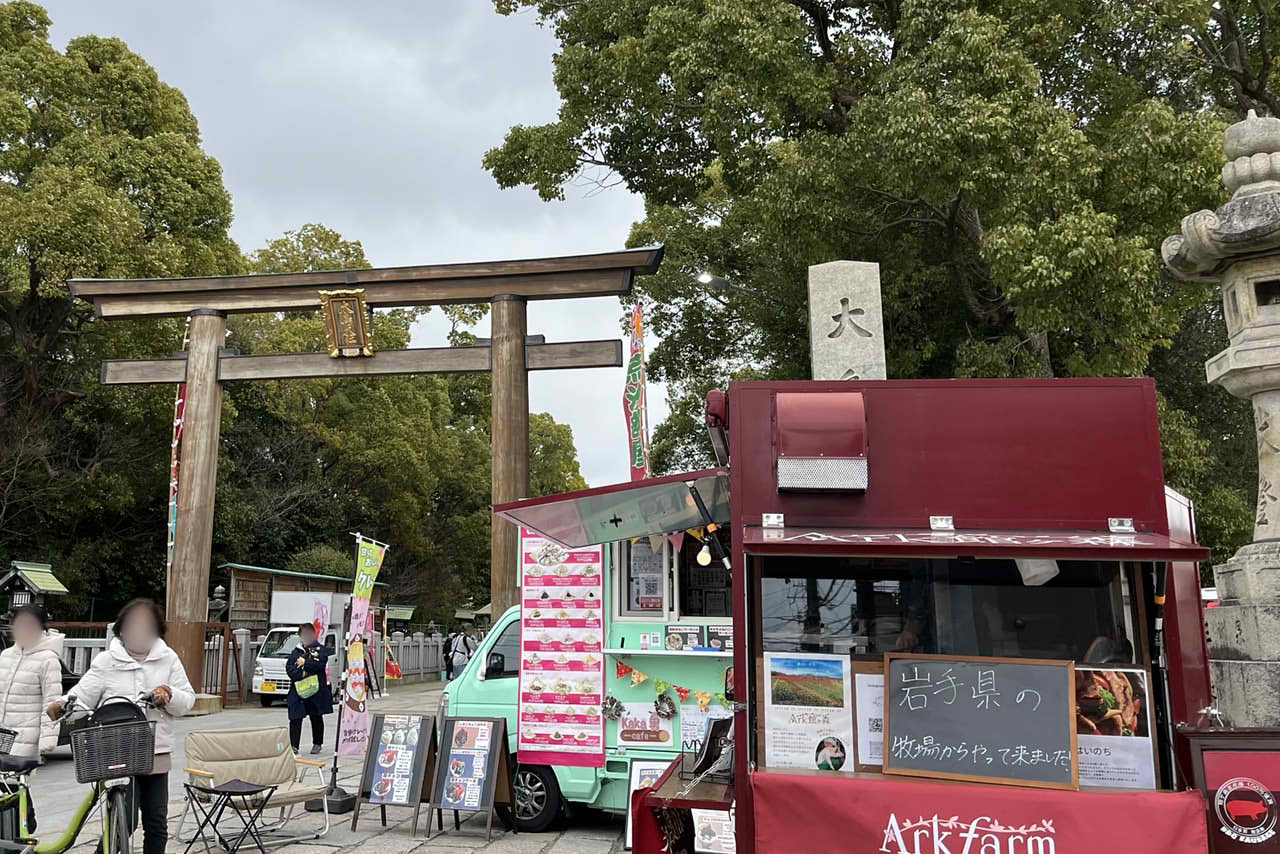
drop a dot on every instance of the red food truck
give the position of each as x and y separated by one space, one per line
966 618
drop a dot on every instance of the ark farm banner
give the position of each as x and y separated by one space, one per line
561 654
353 733
837 812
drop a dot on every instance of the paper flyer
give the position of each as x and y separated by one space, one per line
1113 728
808 709
869 693
713 832
561 653
693 724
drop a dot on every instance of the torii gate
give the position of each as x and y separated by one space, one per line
506 285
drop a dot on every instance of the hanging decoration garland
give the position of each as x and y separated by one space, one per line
664 707
660 688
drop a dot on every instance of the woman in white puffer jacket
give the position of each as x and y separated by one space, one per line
138 662
30 679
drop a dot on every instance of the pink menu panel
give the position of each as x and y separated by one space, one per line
561 653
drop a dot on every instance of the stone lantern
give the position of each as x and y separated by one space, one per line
1238 246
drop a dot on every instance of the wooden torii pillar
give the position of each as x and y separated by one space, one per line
506 285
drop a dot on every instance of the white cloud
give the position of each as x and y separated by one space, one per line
373 120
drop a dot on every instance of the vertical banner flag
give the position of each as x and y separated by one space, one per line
355 718
179 410
633 402
561 654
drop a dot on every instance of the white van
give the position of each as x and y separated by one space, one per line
290 609
269 677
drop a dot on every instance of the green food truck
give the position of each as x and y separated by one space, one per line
618 654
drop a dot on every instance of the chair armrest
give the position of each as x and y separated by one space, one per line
310 762
194 772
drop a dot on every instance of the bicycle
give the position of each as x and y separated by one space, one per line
111 745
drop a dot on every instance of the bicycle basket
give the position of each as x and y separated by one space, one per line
7 738
114 750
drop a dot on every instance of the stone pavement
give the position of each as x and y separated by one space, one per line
57 794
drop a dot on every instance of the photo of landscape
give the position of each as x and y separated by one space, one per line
806 682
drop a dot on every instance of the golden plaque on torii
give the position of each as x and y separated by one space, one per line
346 323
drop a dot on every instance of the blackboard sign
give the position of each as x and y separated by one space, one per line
474 770
398 763
992 720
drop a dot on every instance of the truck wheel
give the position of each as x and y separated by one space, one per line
266 700
537 796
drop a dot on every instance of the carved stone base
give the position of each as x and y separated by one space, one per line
1244 636
1251 577
1247 692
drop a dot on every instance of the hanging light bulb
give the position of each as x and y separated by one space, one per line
704 556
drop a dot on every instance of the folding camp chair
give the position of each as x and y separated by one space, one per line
258 756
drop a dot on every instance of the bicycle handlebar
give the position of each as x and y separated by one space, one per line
144 700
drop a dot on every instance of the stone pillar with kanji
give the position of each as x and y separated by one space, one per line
846 329
1238 247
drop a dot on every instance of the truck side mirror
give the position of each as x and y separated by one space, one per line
496 665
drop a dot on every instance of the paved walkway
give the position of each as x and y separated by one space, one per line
57 794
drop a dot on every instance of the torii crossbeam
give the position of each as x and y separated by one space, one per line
507 285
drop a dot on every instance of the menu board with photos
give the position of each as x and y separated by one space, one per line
399 762
680 637
473 773
720 637
561 653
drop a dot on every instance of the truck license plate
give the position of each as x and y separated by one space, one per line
268 687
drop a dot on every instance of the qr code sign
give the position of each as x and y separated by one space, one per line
875 724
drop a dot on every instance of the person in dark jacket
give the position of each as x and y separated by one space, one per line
308 658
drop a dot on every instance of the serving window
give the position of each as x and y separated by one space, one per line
672 583
866 607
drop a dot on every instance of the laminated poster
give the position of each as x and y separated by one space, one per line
869 691
713 832
397 778
1113 728
466 759
561 653
808 709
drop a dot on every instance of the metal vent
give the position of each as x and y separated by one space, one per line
822 474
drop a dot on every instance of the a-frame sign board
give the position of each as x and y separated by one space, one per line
474 771
506 285
399 764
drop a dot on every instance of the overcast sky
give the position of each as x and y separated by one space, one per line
372 119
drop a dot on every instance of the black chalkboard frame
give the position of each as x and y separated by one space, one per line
1068 669
499 768
419 793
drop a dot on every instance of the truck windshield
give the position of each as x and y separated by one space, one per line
279 644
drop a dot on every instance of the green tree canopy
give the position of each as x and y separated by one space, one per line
101 174
1012 165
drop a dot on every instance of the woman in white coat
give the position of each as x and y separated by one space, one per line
138 662
30 679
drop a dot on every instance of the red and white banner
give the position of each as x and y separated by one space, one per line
561 654
634 407
888 816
